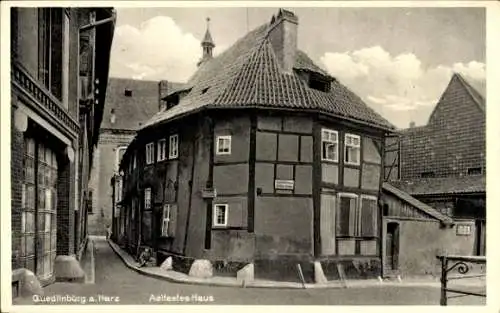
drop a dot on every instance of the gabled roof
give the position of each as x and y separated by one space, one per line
443 185
131 111
247 75
416 203
477 93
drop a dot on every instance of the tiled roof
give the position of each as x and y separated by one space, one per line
476 89
416 203
131 111
443 185
247 75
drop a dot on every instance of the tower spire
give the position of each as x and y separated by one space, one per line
207 44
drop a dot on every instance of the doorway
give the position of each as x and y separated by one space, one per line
391 248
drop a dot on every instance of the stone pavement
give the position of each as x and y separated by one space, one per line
115 283
178 277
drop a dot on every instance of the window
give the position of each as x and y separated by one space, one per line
173 148
162 150
464 229
134 161
346 215
50 49
474 171
89 203
319 84
355 220
150 152
220 215
427 174
223 145
119 155
165 220
329 145
147 199
352 149
118 191
168 220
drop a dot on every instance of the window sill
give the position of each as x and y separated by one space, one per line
329 161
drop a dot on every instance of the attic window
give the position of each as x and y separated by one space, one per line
319 84
474 171
172 101
205 90
128 92
427 174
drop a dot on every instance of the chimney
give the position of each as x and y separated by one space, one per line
162 93
283 38
412 124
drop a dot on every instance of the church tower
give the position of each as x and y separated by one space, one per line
207 44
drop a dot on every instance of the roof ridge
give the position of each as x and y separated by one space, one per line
471 91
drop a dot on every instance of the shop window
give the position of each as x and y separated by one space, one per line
223 145
329 145
220 215
352 149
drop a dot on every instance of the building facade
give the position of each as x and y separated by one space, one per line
443 163
263 158
59 63
129 104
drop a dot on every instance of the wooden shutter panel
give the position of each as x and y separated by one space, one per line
173 221
346 216
368 218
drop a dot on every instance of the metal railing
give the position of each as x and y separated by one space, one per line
463 265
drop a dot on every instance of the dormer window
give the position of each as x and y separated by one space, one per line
427 174
205 90
128 92
319 83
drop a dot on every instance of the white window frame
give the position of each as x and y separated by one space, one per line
167 210
147 199
328 139
162 150
117 161
173 146
150 153
354 146
357 216
226 213
220 148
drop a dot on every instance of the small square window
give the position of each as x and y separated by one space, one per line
223 145
162 150
173 148
329 145
464 229
352 149
220 215
149 153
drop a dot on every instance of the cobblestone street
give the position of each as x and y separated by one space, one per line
117 284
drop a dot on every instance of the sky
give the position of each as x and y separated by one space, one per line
398 60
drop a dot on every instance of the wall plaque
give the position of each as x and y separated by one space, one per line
284 184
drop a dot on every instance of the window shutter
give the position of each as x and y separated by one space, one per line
345 217
173 221
368 218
